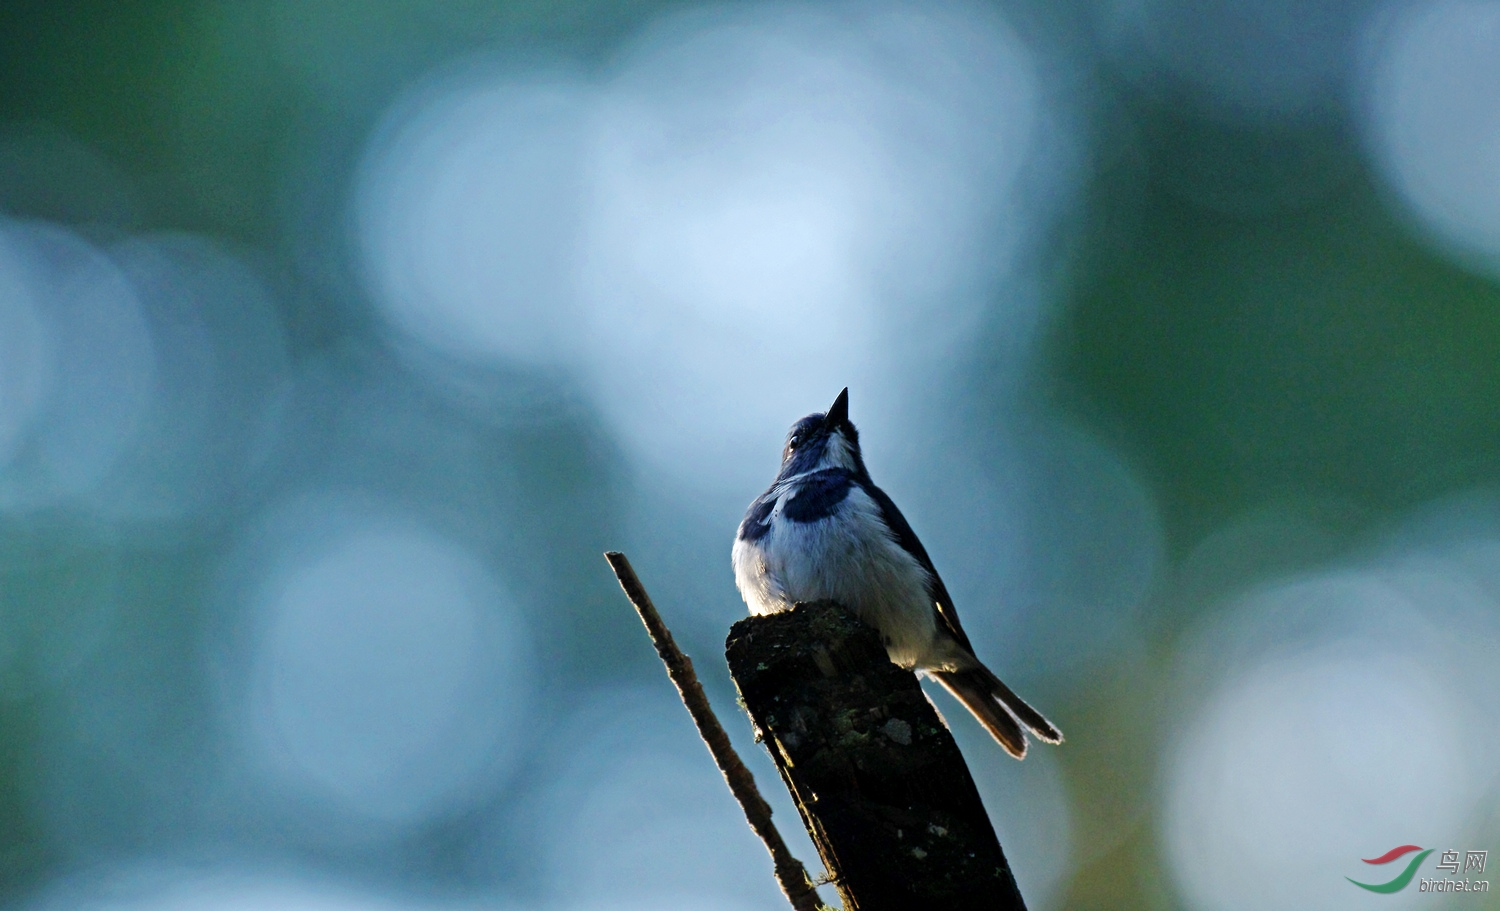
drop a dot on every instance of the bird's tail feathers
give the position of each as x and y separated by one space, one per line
999 709
1044 730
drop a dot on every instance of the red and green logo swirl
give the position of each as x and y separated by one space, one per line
1399 883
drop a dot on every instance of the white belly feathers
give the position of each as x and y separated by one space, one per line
846 557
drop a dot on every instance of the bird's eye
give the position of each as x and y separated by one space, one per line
792 443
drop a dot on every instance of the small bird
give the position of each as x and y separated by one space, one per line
825 531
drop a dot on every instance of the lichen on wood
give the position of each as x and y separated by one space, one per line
876 775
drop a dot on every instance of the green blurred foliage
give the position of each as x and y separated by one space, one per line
1314 352
204 103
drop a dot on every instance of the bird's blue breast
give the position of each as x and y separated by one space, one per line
818 495
829 534
811 498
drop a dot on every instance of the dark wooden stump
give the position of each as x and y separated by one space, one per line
877 777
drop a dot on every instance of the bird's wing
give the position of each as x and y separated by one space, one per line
757 518
941 600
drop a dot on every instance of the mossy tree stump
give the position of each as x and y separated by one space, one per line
875 773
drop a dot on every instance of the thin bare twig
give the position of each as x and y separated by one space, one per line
790 873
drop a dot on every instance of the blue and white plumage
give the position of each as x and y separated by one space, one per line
825 531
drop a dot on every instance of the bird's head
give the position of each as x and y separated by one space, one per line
821 441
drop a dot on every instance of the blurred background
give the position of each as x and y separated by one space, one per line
338 339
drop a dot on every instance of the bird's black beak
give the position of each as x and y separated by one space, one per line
838 413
